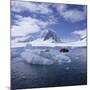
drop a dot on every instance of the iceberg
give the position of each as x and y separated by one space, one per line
44 58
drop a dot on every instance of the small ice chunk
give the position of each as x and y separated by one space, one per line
67 68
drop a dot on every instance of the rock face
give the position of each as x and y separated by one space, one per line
49 34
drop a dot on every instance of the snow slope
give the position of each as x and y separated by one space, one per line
40 42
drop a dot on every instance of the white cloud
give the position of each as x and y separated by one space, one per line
25 25
81 33
18 6
61 8
73 15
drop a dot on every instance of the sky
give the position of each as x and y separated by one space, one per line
69 21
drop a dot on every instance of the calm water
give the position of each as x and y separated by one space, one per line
24 75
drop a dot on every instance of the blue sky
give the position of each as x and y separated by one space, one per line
69 21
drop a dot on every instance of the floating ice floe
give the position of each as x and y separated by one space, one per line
44 58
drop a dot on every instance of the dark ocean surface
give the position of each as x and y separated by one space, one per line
25 75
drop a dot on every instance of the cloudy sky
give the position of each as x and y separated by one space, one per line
69 21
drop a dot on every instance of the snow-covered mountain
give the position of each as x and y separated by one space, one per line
47 38
49 35
48 42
